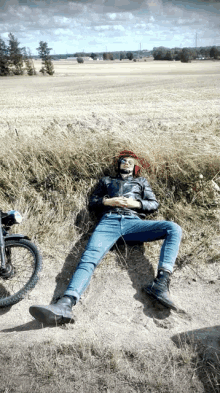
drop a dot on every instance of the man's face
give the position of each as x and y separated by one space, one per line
127 165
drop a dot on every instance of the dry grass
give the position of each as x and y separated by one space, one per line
70 128
50 177
171 94
91 368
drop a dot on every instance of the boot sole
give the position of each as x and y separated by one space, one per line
48 317
161 300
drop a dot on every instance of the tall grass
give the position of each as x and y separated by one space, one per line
49 178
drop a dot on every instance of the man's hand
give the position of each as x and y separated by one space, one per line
122 202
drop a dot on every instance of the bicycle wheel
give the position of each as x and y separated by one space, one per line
25 263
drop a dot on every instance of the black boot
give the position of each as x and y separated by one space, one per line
58 313
159 289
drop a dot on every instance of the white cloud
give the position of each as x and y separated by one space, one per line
62 32
142 25
5 35
88 20
62 20
100 28
112 16
119 16
119 27
130 16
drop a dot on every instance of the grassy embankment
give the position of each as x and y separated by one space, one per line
49 178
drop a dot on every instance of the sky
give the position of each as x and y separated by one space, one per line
110 25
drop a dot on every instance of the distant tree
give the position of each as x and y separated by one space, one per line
80 59
4 68
214 52
168 55
185 56
108 56
29 62
44 53
122 55
93 56
15 56
204 52
159 53
193 53
129 55
79 54
208 52
177 54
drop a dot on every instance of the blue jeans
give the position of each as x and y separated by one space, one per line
110 228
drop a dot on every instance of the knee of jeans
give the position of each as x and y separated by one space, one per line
176 228
89 267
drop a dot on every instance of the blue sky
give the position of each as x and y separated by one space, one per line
112 25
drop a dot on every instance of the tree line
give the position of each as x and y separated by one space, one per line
158 53
122 56
106 55
185 55
15 60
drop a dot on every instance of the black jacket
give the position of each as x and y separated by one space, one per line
136 188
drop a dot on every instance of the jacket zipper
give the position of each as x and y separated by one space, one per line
120 188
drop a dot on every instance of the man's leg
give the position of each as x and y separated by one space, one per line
104 236
146 231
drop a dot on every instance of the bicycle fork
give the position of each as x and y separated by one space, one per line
2 247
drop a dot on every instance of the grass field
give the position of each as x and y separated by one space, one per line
60 134
169 93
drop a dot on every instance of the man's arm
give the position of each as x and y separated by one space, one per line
122 202
148 201
96 200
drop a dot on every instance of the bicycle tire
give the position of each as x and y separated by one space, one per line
15 288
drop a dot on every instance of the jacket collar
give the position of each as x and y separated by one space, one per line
127 178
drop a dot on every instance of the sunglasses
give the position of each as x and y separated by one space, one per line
127 161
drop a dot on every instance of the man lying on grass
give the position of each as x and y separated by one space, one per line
122 202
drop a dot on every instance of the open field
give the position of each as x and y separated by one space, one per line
168 93
61 134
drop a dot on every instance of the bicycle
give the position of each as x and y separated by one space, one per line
21 261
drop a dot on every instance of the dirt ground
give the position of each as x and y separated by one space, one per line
115 311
